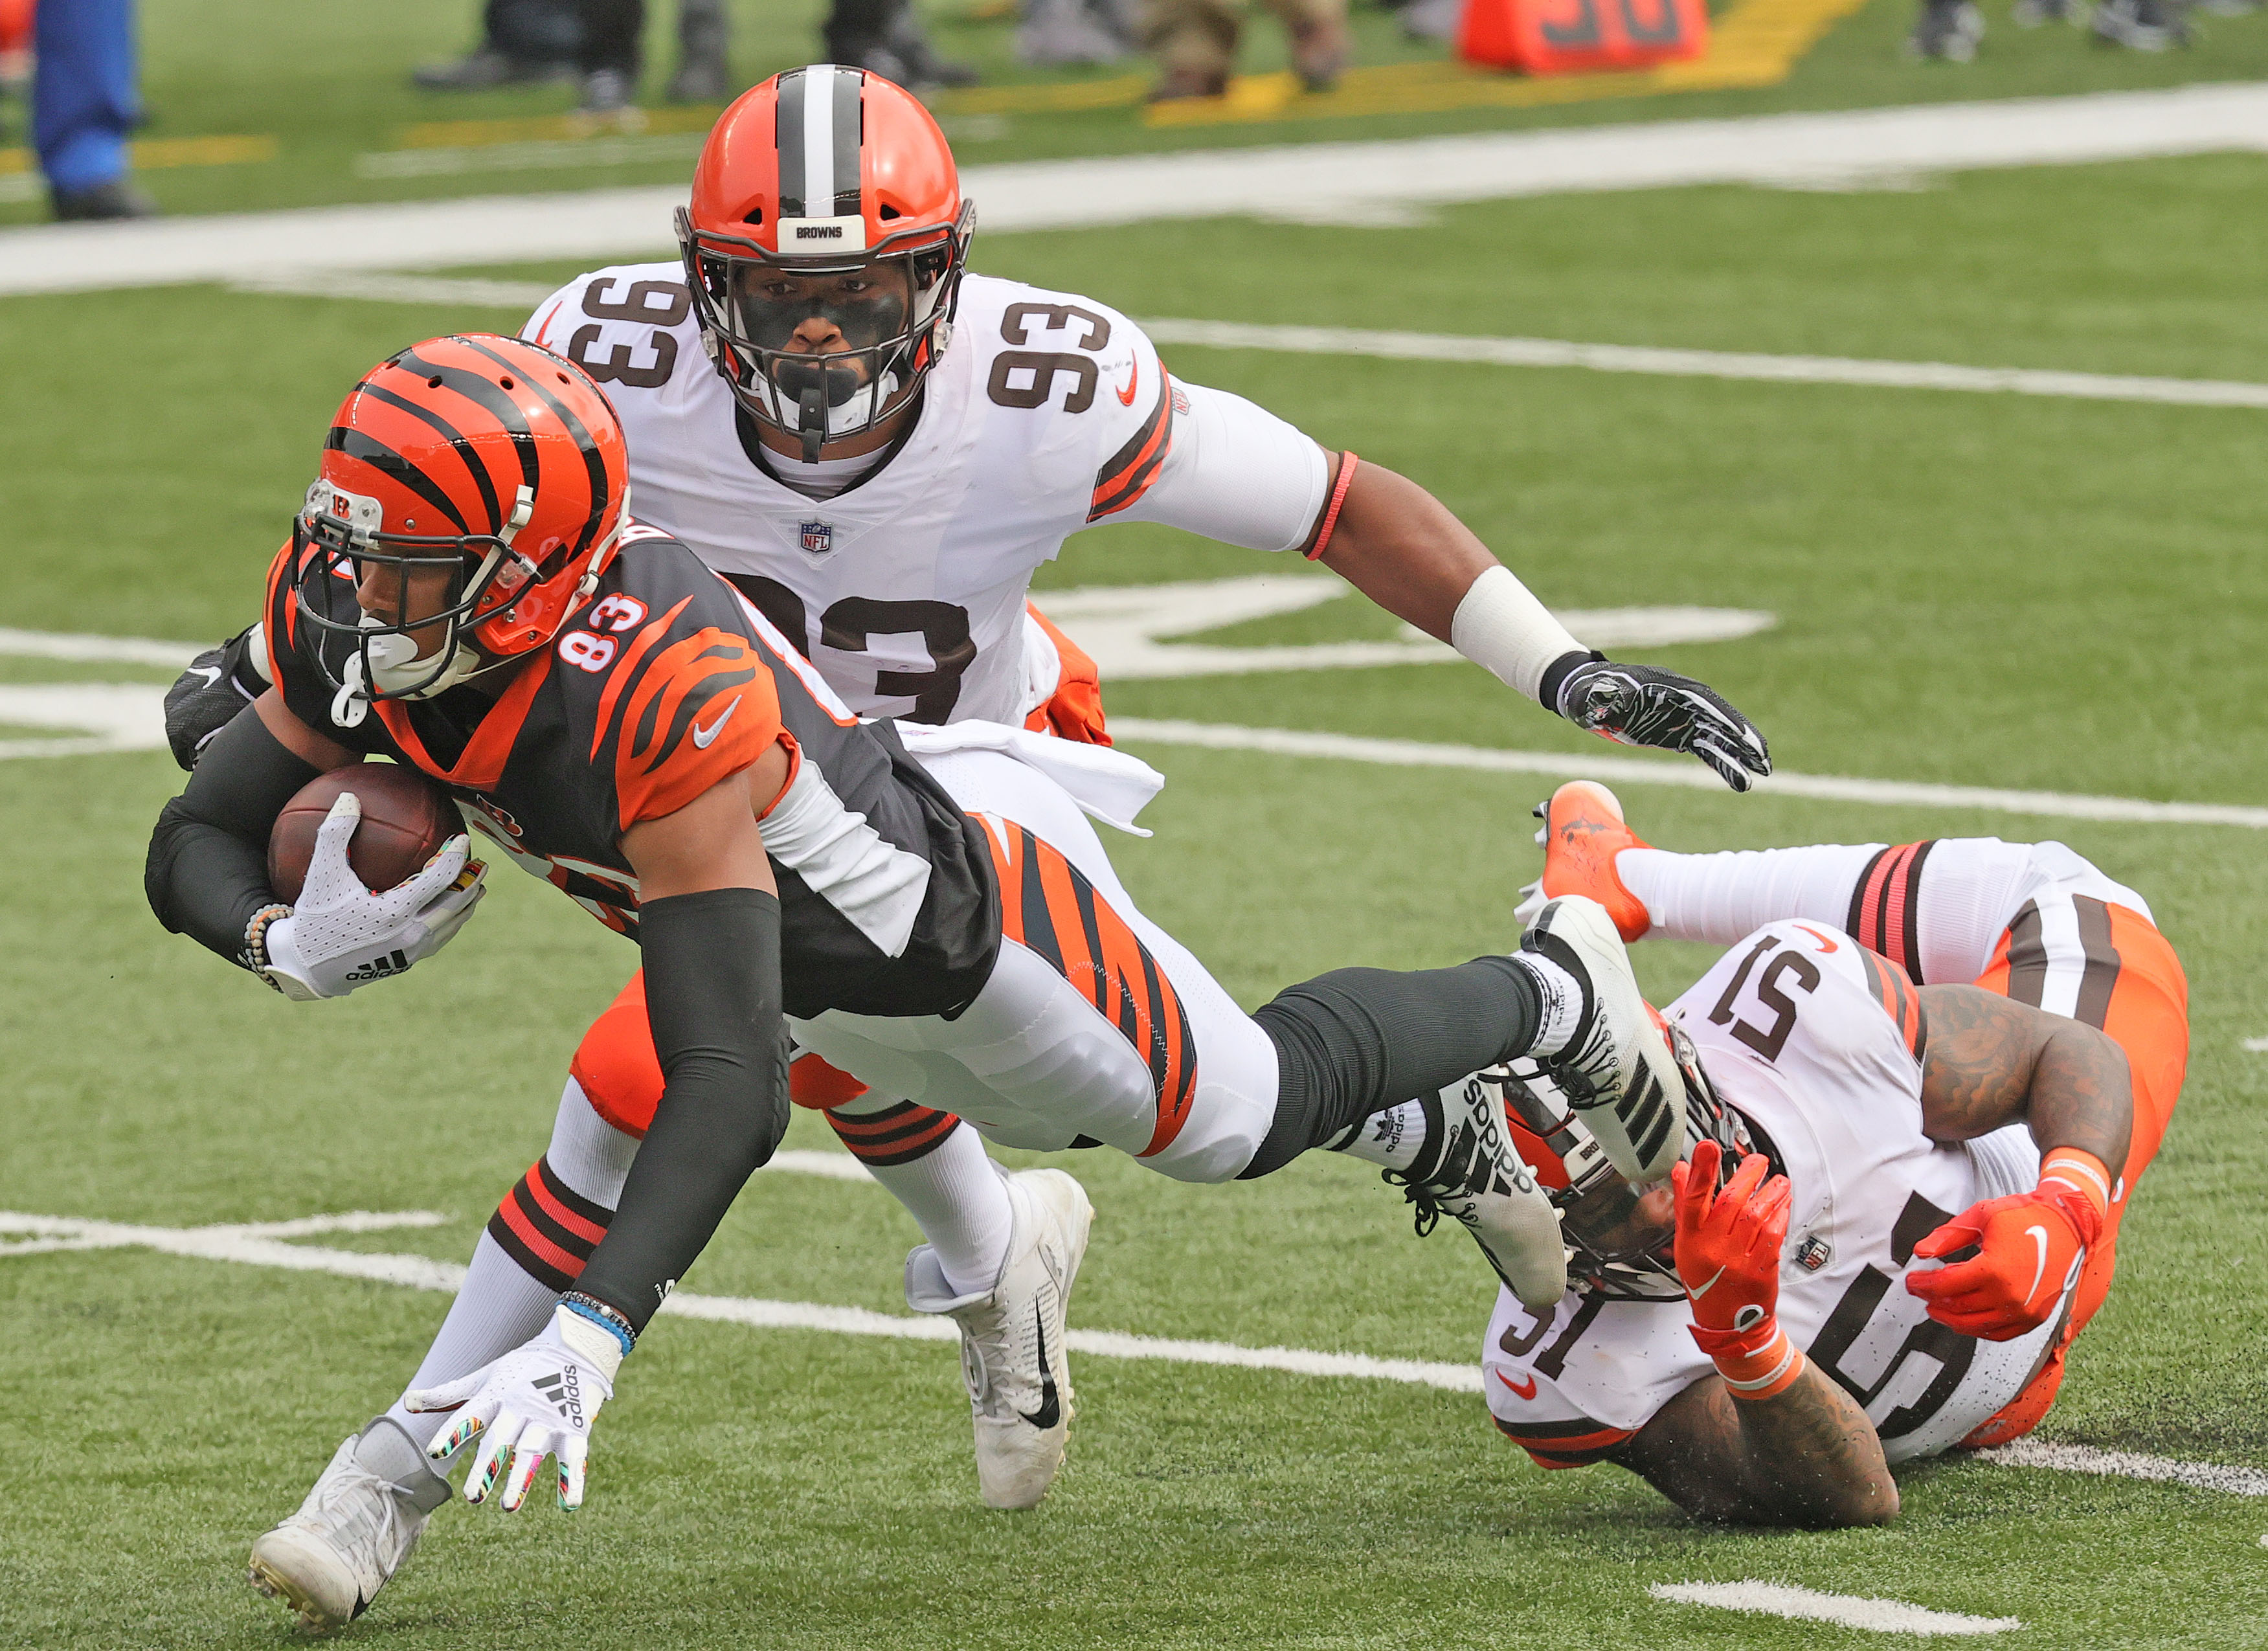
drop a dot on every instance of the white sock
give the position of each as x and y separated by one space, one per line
1722 898
1562 1006
956 1197
499 1306
1392 1139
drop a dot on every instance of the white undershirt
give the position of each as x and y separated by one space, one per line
827 477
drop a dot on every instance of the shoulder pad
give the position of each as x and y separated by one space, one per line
629 327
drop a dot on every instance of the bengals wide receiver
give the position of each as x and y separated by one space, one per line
464 593
877 448
1922 1093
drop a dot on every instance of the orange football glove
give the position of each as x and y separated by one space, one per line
2026 1246
1728 1252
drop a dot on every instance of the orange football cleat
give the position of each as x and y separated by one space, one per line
1583 831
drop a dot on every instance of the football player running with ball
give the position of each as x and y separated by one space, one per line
1922 1086
464 593
877 448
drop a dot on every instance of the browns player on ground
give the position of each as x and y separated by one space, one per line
1949 1164
464 593
879 448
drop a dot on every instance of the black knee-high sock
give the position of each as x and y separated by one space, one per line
1357 1041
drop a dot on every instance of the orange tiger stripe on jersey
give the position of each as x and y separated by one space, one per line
1048 905
1899 1000
662 760
625 672
481 764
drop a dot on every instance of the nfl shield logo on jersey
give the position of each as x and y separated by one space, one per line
818 538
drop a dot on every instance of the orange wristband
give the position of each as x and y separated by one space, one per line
1750 1370
2077 1184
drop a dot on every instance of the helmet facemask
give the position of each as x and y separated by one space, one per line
483 578
892 309
1613 1251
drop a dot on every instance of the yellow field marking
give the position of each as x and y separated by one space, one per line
482 134
1758 43
153 153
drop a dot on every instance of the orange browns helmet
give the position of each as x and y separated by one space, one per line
825 196
491 460
1595 1203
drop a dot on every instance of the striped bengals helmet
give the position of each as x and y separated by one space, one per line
1593 1202
490 459
824 246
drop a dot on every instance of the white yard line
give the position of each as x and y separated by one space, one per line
260 1244
1707 364
1848 1611
1625 771
1394 346
2127 1464
1319 178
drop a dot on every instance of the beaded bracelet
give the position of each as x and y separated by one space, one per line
599 1313
256 936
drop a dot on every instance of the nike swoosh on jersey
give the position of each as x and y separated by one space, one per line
1826 944
1050 1411
1126 395
1527 1392
706 737
2039 1237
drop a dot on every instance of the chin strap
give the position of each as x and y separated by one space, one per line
811 422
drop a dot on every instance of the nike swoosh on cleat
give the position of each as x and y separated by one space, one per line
1051 1411
1527 1392
1126 395
2039 1237
706 737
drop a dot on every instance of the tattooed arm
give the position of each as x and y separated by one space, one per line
1807 1457
1992 1061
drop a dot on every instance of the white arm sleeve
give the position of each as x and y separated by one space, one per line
1236 473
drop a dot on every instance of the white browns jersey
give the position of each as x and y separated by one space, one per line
1818 1042
1046 413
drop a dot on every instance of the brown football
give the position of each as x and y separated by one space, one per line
406 818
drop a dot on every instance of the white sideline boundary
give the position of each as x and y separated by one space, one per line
1098 190
1847 1611
1685 775
263 1244
473 292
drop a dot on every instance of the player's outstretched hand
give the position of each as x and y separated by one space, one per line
539 1400
1728 1242
1637 705
2026 1248
340 935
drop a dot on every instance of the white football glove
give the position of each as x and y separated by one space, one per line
538 1400
340 935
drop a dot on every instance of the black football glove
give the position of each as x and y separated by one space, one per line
219 682
1637 705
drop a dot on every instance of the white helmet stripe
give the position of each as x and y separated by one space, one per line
819 84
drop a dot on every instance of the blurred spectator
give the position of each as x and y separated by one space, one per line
1053 32
1196 43
84 102
2141 25
883 36
521 41
1949 29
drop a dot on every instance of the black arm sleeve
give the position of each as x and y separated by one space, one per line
712 994
208 869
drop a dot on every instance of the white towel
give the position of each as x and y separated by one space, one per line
1109 785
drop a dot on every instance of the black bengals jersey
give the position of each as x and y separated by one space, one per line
661 685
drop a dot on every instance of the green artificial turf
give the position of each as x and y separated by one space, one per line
1984 590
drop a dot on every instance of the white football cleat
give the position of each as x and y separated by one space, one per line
328 1560
1616 1071
1478 1179
1012 1336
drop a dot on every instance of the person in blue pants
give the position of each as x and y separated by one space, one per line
85 100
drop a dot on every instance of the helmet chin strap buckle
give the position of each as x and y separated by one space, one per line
811 422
